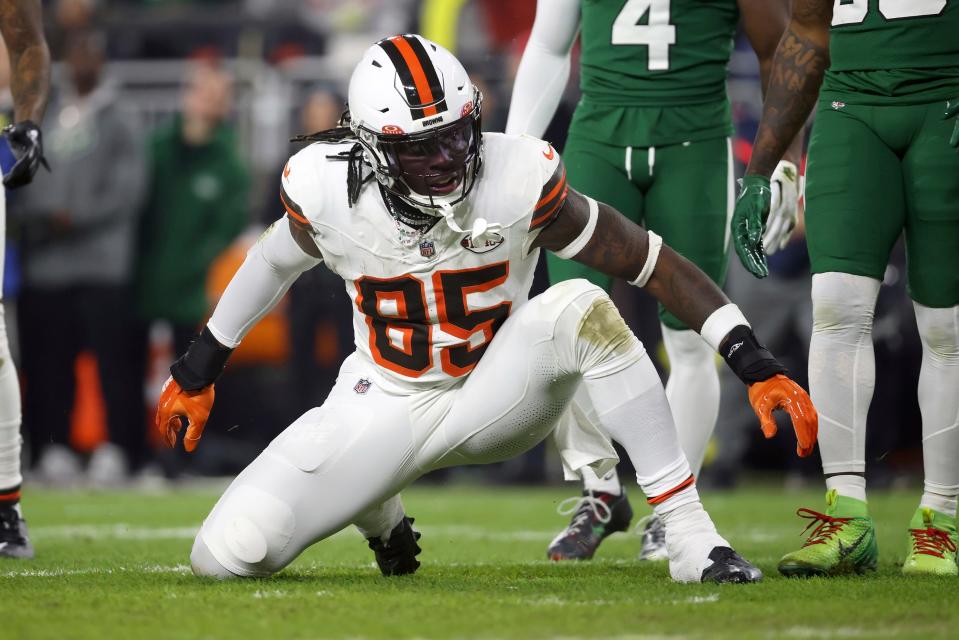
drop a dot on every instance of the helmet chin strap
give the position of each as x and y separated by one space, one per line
481 232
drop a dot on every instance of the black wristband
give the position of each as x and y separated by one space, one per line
202 363
749 360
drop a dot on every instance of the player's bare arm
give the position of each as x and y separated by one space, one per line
22 28
797 71
798 67
620 248
764 22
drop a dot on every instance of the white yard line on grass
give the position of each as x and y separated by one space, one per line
57 573
116 530
836 632
126 531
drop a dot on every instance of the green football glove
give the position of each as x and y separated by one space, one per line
952 110
752 208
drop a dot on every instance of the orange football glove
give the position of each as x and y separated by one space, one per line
178 407
779 392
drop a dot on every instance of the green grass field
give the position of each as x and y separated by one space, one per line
115 565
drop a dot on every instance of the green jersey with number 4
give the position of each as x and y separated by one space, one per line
656 52
893 51
653 72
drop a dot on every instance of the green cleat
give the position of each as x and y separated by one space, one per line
932 545
843 542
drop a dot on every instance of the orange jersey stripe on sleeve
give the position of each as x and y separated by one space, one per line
551 200
292 209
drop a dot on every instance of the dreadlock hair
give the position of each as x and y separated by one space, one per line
354 157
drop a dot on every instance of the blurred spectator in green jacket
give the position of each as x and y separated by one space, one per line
196 204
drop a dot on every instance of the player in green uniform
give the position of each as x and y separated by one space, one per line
651 137
880 164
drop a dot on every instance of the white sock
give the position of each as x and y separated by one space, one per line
631 407
379 520
9 413
609 483
842 369
939 405
690 535
692 390
849 485
940 503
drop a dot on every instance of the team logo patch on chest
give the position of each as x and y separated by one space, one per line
482 247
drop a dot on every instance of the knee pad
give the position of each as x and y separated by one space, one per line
939 331
590 333
843 303
249 531
574 295
205 565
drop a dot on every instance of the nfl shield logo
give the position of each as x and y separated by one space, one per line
362 386
427 249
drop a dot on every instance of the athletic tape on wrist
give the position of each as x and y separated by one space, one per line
655 244
577 245
202 363
720 323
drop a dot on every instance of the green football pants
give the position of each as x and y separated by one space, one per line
875 172
683 192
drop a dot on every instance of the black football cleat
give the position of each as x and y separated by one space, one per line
729 566
14 542
596 515
397 556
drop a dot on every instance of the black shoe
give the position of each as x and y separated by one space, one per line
397 557
729 566
597 515
14 542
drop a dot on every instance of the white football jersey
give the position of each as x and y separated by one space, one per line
425 306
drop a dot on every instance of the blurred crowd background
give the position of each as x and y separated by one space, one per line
167 130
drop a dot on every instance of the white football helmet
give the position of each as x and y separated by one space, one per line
417 115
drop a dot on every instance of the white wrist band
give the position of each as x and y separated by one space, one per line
655 244
720 323
577 245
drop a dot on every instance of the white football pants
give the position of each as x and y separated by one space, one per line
9 386
346 461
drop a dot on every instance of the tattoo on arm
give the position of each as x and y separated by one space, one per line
22 28
797 71
684 290
619 247
764 22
